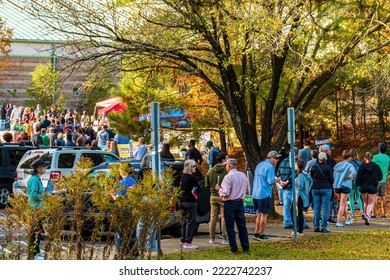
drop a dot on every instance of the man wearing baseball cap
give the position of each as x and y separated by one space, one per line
234 187
327 149
263 182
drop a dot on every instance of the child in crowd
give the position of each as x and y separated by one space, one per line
334 205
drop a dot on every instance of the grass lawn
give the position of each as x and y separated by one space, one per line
358 245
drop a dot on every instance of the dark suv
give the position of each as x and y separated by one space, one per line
203 209
10 155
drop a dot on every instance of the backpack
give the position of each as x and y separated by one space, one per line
214 152
356 164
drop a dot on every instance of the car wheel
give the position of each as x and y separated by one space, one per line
5 192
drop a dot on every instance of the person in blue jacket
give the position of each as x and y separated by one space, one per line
127 182
343 174
303 182
35 192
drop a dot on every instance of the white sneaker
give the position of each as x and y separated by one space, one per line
349 222
225 242
212 241
339 224
298 233
190 246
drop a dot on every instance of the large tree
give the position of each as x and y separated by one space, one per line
44 87
259 57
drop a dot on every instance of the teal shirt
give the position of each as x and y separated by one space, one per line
303 183
34 191
383 161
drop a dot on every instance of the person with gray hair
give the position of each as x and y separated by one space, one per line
234 187
322 175
146 166
188 204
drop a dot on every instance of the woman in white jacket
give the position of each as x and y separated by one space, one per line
343 174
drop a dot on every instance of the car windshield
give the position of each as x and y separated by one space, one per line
26 164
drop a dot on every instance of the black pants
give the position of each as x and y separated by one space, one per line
189 223
300 214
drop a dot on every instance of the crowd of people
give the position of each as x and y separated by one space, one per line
47 128
331 189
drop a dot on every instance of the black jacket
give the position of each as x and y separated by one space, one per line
324 179
369 174
188 182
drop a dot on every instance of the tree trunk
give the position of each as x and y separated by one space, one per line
222 137
353 112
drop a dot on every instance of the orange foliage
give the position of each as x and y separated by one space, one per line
196 96
5 49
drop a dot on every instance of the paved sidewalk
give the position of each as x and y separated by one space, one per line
274 230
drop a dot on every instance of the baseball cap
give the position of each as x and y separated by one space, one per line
273 154
209 144
327 147
38 163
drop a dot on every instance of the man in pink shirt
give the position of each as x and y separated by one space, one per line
233 189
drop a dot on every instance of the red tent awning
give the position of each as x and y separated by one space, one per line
108 102
110 105
113 108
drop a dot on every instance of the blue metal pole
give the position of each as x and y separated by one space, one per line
156 166
291 140
155 119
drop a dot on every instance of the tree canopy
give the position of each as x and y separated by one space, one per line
258 57
44 88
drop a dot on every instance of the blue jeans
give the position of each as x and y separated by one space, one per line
234 212
321 201
334 207
280 193
149 239
287 202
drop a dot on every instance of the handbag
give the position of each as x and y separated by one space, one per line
194 192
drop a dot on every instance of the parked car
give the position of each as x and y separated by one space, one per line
10 155
203 211
62 161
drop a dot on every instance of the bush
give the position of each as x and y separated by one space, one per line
84 204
